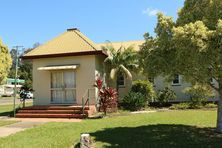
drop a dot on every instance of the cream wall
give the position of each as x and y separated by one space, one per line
159 84
99 71
85 77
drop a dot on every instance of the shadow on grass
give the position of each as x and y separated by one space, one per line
160 135
7 113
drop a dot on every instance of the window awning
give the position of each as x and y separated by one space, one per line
59 67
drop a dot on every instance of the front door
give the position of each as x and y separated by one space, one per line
63 87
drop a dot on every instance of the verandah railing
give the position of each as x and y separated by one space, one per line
87 98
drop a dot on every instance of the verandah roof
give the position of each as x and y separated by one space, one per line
59 67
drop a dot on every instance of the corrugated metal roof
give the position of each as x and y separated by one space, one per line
126 44
69 42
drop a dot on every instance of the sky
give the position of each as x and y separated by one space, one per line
25 22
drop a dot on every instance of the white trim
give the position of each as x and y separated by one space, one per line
58 67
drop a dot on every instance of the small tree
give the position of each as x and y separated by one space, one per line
134 101
107 96
145 88
199 94
165 95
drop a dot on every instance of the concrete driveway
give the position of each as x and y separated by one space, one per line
9 101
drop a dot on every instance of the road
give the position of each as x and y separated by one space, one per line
9 100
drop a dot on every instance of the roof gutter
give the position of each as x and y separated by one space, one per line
98 52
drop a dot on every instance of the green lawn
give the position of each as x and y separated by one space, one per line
6 110
161 129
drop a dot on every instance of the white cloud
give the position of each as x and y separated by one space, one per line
151 11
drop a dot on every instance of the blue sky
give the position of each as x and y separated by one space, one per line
25 22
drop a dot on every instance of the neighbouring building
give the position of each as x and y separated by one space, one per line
7 89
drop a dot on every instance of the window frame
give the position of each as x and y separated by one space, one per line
124 81
175 79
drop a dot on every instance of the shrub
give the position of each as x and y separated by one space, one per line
107 97
199 94
165 95
180 106
210 105
145 88
134 101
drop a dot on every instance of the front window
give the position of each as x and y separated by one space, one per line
121 80
176 80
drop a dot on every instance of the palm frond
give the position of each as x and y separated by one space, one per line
126 71
108 48
109 59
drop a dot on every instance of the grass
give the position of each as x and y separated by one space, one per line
161 129
7 110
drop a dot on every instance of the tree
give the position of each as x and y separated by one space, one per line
120 61
190 46
24 70
25 67
5 61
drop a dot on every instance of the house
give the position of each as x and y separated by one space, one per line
65 69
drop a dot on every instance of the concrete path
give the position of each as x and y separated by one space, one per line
17 127
25 123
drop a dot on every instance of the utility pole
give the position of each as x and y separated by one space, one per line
16 73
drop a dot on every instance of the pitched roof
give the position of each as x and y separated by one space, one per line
72 41
126 44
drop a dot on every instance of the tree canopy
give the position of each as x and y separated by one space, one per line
190 46
5 61
24 70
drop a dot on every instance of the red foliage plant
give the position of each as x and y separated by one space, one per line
107 95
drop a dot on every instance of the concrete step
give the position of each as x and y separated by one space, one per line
55 112
28 115
55 108
32 111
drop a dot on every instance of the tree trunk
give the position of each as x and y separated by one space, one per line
219 112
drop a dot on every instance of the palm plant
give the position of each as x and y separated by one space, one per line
120 61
